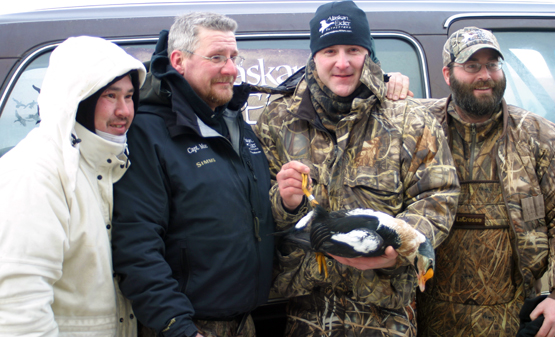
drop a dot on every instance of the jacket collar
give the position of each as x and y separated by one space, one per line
165 86
372 77
101 153
447 115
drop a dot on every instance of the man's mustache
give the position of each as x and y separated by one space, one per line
228 79
482 84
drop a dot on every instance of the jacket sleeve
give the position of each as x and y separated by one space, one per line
33 226
547 183
545 171
141 217
270 141
431 186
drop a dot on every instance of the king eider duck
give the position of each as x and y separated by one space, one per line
361 233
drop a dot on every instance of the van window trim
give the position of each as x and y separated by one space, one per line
462 16
247 36
402 36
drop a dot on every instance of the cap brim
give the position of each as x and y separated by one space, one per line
468 52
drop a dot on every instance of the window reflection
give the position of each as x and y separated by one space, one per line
530 65
20 114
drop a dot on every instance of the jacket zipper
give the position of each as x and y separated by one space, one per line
252 188
472 153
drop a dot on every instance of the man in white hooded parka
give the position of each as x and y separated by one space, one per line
56 276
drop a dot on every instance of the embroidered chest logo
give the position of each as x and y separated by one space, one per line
252 146
206 161
335 24
197 148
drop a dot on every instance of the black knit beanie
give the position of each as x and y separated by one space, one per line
86 108
340 23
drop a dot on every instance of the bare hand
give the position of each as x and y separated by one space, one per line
547 308
289 181
364 263
398 87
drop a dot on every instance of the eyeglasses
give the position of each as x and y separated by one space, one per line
474 67
220 59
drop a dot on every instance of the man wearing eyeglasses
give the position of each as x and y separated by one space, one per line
501 242
192 224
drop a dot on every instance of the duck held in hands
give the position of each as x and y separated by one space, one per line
363 233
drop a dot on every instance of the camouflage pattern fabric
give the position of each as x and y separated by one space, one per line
214 329
485 270
350 302
225 329
385 155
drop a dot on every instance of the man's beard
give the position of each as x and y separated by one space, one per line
483 105
219 98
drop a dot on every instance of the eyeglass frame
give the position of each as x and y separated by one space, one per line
237 60
499 63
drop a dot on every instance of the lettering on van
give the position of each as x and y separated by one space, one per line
260 74
270 67
206 161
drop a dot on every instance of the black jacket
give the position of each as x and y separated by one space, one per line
192 218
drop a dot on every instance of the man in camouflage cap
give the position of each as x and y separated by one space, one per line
361 151
502 240
465 42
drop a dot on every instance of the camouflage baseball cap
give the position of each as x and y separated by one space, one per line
465 42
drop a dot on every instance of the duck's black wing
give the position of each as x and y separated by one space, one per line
347 236
355 243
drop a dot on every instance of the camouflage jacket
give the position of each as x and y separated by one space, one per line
525 157
385 155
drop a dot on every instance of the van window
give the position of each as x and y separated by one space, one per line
20 113
400 55
529 69
267 62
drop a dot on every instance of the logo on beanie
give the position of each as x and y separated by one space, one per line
335 24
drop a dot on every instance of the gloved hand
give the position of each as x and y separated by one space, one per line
529 328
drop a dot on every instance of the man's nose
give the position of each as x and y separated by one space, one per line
122 108
342 61
229 68
484 73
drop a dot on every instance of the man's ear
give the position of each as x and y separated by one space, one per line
446 75
176 59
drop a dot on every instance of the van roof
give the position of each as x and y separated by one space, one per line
234 7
